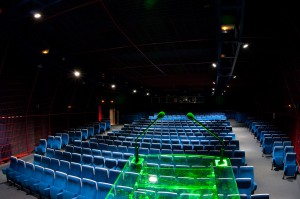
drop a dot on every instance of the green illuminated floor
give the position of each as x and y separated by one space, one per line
176 176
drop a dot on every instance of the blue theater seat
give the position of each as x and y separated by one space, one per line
50 153
101 174
93 145
85 144
76 157
87 151
67 156
64 166
75 169
58 154
88 189
36 177
77 149
113 175
87 159
117 155
18 172
87 172
50 141
110 163
37 159
244 186
84 133
45 161
240 154
72 189
98 161
28 173
54 164
267 146
64 139
288 149
96 152
57 143
121 164
106 154
103 189
290 168
248 172
189 196
277 157
46 182
60 183
41 148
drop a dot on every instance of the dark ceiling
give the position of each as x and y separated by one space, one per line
156 44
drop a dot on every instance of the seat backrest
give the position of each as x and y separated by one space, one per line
101 174
76 157
290 159
260 196
278 151
45 161
113 175
288 149
74 184
87 159
89 188
60 179
57 142
75 169
29 169
37 159
43 143
65 139
244 185
103 189
48 176
38 172
87 172
64 166
54 164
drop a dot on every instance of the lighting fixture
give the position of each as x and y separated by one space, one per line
37 15
245 45
214 65
77 73
45 51
113 86
227 27
134 90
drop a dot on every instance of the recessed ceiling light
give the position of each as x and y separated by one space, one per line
113 86
213 89
134 90
246 45
214 82
45 51
234 77
37 15
214 65
147 94
227 27
77 73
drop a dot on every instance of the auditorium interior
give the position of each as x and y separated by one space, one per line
149 99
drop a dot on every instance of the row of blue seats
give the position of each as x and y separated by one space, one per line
106 170
166 135
175 144
184 129
237 157
268 144
48 183
116 160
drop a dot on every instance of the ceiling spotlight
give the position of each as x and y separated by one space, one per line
147 94
214 65
234 77
113 86
245 45
227 86
102 101
227 27
111 101
213 89
45 51
76 73
134 90
214 82
37 15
